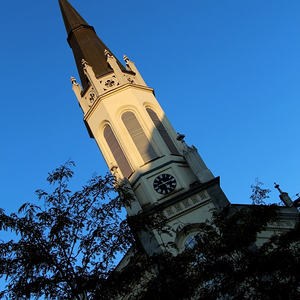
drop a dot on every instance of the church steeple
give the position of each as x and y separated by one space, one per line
85 44
156 167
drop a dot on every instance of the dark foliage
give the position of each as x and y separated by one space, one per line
259 194
67 247
224 263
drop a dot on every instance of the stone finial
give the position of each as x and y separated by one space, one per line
73 80
114 170
194 160
84 62
107 53
277 186
114 65
180 137
130 66
126 59
284 197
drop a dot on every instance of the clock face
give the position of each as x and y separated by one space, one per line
164 184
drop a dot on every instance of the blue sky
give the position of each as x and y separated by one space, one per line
226 73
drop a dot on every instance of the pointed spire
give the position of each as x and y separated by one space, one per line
85 43
72 18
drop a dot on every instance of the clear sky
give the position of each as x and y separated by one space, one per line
226 73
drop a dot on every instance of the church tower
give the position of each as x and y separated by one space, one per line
137 141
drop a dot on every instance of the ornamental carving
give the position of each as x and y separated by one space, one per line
178 207
90 97
186 204
109 83
130 80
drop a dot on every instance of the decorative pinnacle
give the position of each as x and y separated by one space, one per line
125 57
114 168
284 197
115 173
84 62
276 185
73 80
107 53
180 137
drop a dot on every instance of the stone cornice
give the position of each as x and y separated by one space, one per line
112 92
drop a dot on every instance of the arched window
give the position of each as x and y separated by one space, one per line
117 152
138 136
162 131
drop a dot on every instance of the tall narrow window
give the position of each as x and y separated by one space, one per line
138 136
162 131
117 151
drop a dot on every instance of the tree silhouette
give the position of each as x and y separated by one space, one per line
66 247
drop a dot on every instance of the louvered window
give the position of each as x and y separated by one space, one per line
162 131
138 136
117 151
